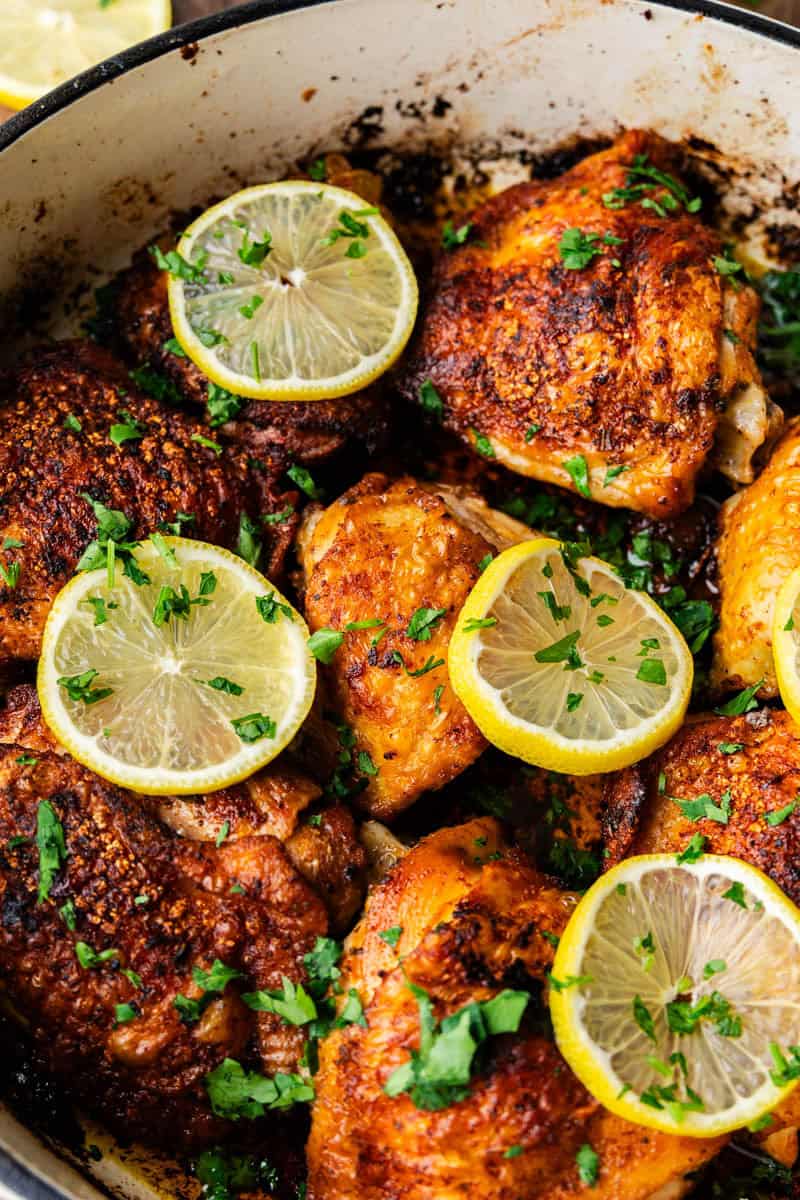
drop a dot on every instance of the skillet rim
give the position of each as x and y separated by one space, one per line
194 31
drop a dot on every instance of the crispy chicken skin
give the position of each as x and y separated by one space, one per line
380 552
624 365
762 777
282 432
143 1077
759 547
46 467
274 803
471 927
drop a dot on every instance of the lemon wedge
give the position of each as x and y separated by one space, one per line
786 642
674 993
185 681
558 663
291 291
45 42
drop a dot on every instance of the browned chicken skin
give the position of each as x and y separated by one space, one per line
758 548
47 467
381 552
284 432
622 361
762 777
145 1076
472 924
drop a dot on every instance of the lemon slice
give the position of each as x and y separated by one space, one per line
558 663
291 291
45 42
674 993
786 642
186 683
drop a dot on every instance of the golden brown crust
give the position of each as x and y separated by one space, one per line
282 432
144 1078
472 925
620 365
380 552
45 468
759 546
762 777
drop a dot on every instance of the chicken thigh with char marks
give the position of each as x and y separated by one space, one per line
583 335
470 918
401 557
96 949
57 455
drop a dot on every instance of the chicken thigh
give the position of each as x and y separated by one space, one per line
74 432
459 920
748 768
589 332
759 547
390 567
124 950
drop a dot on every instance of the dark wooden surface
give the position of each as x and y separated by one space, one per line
188 10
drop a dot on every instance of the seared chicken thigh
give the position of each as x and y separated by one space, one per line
73 430
472 917
759 547
106 915
583 335
747 767
389 557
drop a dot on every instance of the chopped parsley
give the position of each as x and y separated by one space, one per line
704 808
249 309
51 846
177 265
90 959
423 622
300 476
439 1072
588 1163
254 727
452 237
235 1092
741 703
221 405
79 687
694 850
324 643
430 400
220 684
253 253
482 443
780 814
577 249
564 650
578 470
270 608
473 624
72 423
652 670
391 936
